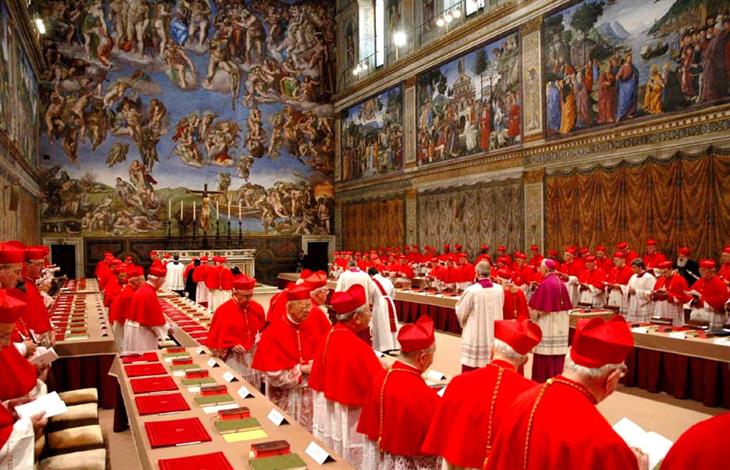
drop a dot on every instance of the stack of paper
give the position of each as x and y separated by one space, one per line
51 404
654 445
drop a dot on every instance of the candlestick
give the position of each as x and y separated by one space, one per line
239 209
229 209
217 211
169 208
193 210
181 210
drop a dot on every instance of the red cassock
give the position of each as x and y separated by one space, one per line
701 446
35 315
619 275
285 344
199 273
233 325
483 257
6 425
465 424
630 256
277 306
466 272
398 410
188 268
713 291
405 270
574 268
451 275
218 277
515 305
653 260
436 272
156 263
121 305
319 319
18 375
344 367
536 260
112 289
523 275
675 287
145 308
594 277
604 263
724 272
566 432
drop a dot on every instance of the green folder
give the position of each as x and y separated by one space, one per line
235 425
210 400
175 355
198 382
279 462
184 366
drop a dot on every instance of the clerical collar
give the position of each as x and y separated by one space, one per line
570 383
404 366
502 364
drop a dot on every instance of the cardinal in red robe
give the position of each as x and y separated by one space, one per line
285 353
465 424
653 257
724 272
317 282
344 367
116 283
156 262
536 258
235 329
616 279
701 446
103 269
713 294
19 375
399 406
145 324
122 303
35 315
557 424
515 302
202 294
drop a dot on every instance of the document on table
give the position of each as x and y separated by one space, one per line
654 445
50 403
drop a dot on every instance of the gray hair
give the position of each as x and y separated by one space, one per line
638 262
482 268
352 263
589 373
348 316
506 351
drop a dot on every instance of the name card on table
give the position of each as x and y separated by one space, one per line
200 351
317 453
244 393
378 353
441 392
677 335
435 375
229 377
276 417
212 363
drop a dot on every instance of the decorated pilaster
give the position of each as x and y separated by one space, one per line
534 209
532 111
411 217
409 123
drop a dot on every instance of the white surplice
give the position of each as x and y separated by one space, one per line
202 294
289 390
174 278
139 338
335 425
639 307
477 309
217 298
383 338
374 459
18 452
353 276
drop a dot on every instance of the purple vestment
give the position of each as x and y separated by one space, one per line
551 295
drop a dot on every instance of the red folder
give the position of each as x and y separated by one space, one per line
175 432
139 370
140 357
152 384
163 403
214 461
199 334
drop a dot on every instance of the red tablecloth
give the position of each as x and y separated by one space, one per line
444 318
71 373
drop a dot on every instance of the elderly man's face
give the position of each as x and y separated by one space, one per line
242 297
6 332
619 262
33 268
707 273
298 310
9 275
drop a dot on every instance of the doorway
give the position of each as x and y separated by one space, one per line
64 256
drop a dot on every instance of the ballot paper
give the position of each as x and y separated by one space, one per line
43 357
50 403
654 445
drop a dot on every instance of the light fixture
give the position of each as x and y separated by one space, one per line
40 26
440 22
456 12
356 70
399 39
447 17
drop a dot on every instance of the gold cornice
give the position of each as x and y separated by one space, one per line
517 157
531 25
535 176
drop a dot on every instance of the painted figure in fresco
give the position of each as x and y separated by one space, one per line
118 11
256 137
205 212
567 105
161 24
628 88
138 19
219 58
653 91
607 93
199 15
179 65
714 66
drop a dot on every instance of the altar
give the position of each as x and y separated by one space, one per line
243 259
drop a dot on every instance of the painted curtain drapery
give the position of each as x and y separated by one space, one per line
371 224
679 201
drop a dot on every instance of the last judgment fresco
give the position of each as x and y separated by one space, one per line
169 117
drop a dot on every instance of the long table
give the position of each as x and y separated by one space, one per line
236 453
84 361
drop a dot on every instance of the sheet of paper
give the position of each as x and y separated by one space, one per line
244 435
654 445
51 403
44 358
209 410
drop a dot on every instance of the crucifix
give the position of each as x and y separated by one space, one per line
205 209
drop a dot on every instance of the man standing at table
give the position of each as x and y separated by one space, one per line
670 294
474 405
724 272
630 254
17 436
121 305
317 282
385 320
145 325
399 406
478 307
285 353
235 328
710 294
202 294
536 258
686 267
616 281
515 302
344 367
557 425
36 315
115 284
653 257
155 257
550 308
218 279
639 307
354 275
592 282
